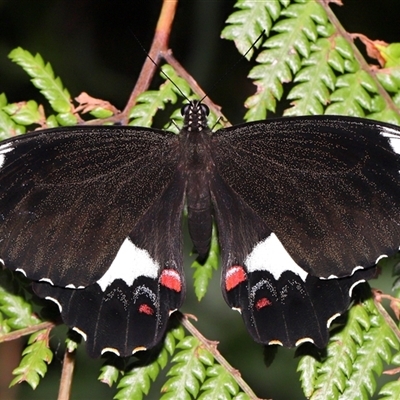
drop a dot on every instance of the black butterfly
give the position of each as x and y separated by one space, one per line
305 207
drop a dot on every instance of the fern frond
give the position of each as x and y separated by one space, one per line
8 127
282 60
25 113
317 79
246 25
137 382
334 372
36 356
188 371
49 85
219 385
379 341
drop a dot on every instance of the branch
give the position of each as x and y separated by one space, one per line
357 54
211 346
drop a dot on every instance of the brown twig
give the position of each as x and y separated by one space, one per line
211 346
158 48
26 331
66 376
386 316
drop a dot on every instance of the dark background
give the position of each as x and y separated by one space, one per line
91 46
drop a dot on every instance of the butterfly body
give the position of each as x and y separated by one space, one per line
304 208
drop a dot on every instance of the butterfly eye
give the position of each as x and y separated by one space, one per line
185 109
205 110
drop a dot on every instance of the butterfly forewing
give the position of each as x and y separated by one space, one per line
90 208
328 187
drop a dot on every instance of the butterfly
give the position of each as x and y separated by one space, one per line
305 208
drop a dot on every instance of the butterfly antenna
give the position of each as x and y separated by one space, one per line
236 63
157 66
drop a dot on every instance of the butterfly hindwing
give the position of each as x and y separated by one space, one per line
86 216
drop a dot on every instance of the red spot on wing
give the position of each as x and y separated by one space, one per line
171 280
146 309
234 276
263 302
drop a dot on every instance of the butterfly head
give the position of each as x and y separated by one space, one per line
195 116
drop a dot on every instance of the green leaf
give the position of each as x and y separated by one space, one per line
332 374
377 347
100 112
137 382
308 368
203 272
8 127
26 113
109 374
44 79
36 356
390 391
353 94
16 308
219 384
317 79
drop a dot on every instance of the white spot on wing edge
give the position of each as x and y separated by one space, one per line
2 262
47 280
270 255
394 137
54 301
129 263
276 342
139 348
380 258
304 340
21 270
111 350
355 269
354 285
331 319
83 334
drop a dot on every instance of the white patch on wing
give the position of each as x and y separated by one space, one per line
394 137
2 262
129 263
5 148
270 255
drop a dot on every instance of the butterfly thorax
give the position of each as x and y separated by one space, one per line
197 168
